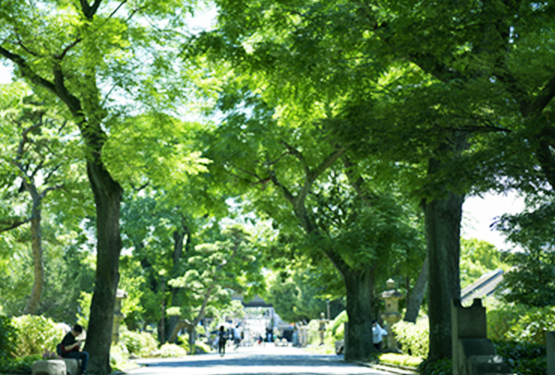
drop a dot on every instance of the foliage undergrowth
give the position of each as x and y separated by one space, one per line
441 367
524 358
519 323
7 337
19 365
413 338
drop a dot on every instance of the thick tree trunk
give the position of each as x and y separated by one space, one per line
416 296
107 195
359 285
38 261
443 222
176 328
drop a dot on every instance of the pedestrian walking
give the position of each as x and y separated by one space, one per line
222 338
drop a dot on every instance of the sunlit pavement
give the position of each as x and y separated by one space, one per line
266 360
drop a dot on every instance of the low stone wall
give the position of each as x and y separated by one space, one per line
62 366
473 352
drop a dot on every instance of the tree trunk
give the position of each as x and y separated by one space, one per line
107 195
359 285
192 340
178 247
416 296
178 327
443 222
38 261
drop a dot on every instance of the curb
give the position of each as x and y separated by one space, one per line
388 368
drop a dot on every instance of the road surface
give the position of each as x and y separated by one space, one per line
268 360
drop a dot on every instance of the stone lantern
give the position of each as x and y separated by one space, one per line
118 315
391 315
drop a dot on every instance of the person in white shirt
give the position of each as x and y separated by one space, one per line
236 336
377 334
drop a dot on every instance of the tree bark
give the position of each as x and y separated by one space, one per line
443 223
107 195
416 296
178 247
38 260
359 285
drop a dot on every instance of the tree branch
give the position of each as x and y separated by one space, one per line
13 225
88 10
68 48
542 100
26 71
357 182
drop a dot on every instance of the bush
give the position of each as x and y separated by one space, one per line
21 365
413 338
337 327
313 333
519 323
524 358
202 348
441 367
141 344
35 335
171 351
7 338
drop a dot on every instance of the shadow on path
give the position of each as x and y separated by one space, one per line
260 360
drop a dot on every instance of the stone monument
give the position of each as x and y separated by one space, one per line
391 314
322 328
473 352
550 341
118 315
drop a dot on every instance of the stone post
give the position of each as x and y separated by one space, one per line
550 341
473 352
391 315
322 328
118 315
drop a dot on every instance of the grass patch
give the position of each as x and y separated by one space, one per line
400 359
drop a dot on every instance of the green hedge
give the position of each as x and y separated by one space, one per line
141 344
35 335
413 338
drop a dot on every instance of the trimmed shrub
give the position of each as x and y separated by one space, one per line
413 338
141 344
313 333
35 335
171 351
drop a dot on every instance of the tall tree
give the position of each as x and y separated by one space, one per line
38 162
82 53
213 271
294 174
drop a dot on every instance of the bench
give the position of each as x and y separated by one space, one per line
62 366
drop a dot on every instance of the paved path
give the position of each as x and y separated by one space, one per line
267 360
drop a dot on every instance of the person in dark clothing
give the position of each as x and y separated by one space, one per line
222 340
70 347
